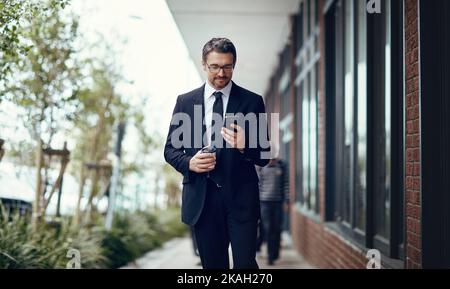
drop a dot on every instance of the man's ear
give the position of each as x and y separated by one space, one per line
204 65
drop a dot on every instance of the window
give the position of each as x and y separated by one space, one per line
285 110
305 142
383 130
361 119
349 102
307 90
364 112
387 129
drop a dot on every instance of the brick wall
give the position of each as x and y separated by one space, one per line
412 170
324 248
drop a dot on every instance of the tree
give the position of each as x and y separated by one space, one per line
2 151
100 108
13 15
46 77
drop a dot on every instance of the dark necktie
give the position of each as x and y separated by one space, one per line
215 175
217 108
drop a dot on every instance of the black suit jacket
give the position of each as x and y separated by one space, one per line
236 169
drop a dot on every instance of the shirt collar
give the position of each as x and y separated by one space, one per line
209 90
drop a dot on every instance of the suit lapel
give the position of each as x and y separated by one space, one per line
235 99
199 100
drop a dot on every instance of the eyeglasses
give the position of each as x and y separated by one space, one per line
214 68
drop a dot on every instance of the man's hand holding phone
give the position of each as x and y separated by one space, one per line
203 161
234 136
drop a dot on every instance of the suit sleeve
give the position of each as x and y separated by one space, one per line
176 157
253 155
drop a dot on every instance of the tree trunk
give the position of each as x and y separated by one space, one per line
57 184
2 151
37 205
77 220
94 154
94 191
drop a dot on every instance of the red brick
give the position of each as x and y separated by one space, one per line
416 154
414 254
416 170
412 197
412 211
416 141
409 182
409 127
413 240
409 169
416 184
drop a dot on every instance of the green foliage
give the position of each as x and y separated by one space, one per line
135 234
99 108
22 247
11 13
47 77
13 16
132 235
55 90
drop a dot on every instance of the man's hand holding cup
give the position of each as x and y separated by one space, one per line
203 161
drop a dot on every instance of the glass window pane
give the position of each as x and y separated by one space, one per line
313 15
348 109
305 141
298 143
383 225
308 18
313 139
361 177
316 12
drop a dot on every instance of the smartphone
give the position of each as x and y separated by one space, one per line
230 119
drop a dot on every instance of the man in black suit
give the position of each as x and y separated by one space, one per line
220 197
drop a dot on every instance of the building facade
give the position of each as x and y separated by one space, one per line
363 93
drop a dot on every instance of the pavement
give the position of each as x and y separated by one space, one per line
178 254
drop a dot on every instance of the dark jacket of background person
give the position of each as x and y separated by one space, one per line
274 191
274 182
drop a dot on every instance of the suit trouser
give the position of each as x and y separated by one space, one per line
271 222
216 229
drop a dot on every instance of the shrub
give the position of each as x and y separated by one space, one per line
22 247
132 235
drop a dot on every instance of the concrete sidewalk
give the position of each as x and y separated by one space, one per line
178 254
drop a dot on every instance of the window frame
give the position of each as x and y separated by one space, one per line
306 63
335 24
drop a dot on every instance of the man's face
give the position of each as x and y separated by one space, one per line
219 68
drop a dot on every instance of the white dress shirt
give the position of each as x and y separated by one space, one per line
209 99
